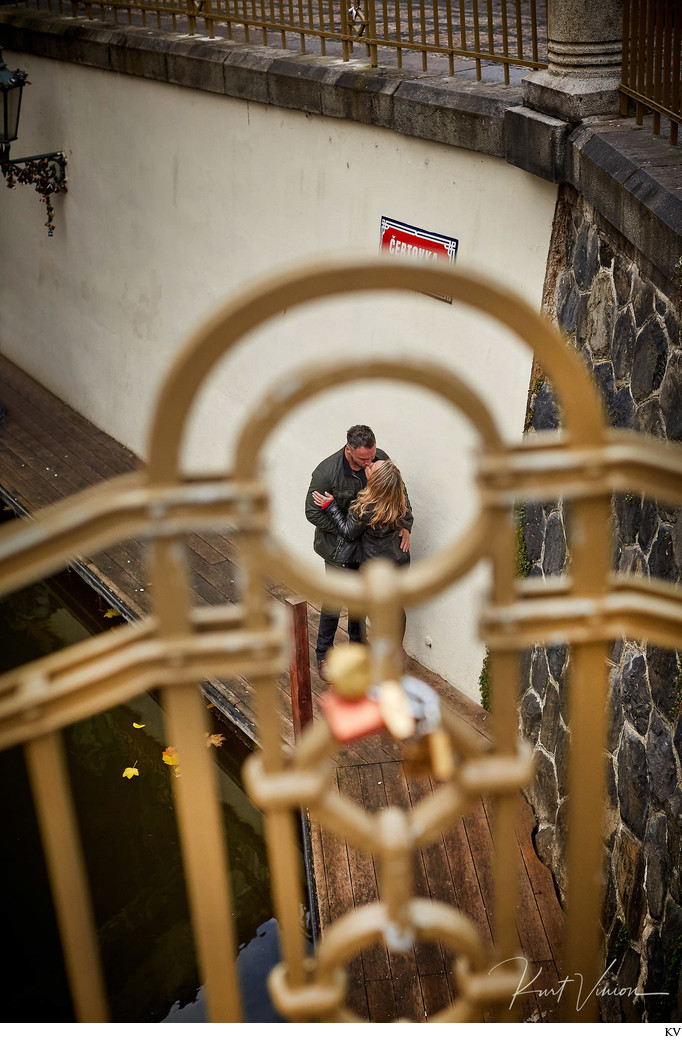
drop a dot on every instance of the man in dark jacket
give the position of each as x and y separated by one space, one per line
342 474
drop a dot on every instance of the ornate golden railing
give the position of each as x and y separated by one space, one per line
503 32
652 61
179 646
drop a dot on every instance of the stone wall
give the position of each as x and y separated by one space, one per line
623 317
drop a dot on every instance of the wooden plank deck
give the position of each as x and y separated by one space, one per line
48 452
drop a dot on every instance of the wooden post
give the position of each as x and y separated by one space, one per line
299 669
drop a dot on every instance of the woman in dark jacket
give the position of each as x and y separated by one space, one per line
375 519
376 516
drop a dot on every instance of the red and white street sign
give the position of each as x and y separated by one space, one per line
404 240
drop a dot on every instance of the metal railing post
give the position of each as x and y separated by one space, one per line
372 42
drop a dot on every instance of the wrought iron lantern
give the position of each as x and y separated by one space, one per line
47 172
11 87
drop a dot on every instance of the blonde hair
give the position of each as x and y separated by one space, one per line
383 498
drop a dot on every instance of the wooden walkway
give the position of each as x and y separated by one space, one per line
48 452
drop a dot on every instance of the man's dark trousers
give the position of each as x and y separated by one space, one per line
330 620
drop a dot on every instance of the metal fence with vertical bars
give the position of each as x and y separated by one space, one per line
652 65
494 32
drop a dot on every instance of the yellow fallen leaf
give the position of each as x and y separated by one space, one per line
176 771
138 726
131 771
170 756
111 613
214 739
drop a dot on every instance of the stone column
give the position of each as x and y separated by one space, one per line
584 48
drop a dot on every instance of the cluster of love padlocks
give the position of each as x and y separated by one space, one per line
40 174
409 709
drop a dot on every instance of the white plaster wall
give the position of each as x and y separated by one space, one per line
178 199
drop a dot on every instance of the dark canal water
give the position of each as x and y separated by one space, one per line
131 848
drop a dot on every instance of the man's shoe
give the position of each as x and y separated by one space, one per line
322 668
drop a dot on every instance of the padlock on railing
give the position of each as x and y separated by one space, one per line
408 708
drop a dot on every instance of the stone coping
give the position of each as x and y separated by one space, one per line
633 179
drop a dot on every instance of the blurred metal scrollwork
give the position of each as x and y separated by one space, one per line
180 646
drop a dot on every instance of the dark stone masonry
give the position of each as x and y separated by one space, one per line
627 327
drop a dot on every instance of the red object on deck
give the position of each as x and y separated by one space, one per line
351 720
